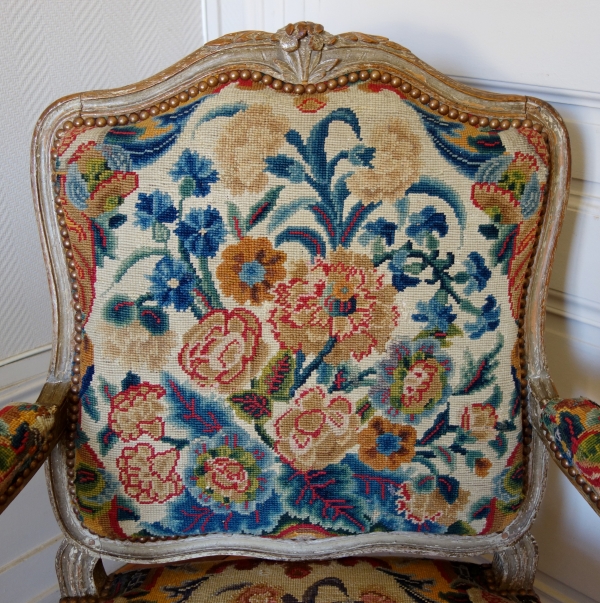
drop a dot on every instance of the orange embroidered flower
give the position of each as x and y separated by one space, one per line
386 445
249 269
135 412
342 297
311 104
317 431
480 420
149 476
482 467
224 349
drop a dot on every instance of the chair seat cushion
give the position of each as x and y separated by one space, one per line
23 430
354 579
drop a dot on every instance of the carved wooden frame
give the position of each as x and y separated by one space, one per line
300 54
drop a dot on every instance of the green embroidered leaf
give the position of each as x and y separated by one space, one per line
478 374
414 268
261 210
471 457
136 256
278 376
364 409
467 306
235 221
160 233
251 406
461 528
187 186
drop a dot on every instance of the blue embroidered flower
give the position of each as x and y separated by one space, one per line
361 155
488 320
76 187
197 173
478 273
383 228
172 283
400 279
426 222
153 208
437 315
202 232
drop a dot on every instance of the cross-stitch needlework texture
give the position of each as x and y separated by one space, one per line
300 315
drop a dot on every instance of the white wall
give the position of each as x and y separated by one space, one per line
545 48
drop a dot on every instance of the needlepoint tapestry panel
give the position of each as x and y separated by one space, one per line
300 315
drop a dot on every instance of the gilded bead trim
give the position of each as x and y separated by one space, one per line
257 76
412 92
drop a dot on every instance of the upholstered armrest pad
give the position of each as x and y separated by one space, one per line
25 430
572 430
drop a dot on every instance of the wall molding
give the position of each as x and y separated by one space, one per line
565 96
573 308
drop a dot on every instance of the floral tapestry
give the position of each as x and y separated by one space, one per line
300 315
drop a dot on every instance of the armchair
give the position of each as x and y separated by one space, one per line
299 284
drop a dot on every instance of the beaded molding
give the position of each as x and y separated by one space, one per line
221 79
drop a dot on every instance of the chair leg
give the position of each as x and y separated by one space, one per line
80 573
515 566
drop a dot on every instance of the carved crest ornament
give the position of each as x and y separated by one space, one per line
303 48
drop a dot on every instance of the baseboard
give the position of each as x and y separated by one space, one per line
553 591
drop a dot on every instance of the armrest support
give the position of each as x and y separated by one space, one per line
571 430
28 432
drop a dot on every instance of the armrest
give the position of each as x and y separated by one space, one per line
28 432
571 429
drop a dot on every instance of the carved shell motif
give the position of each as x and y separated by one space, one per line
303 45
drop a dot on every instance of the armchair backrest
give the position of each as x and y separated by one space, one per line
300 266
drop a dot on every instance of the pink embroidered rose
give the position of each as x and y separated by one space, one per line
317 430
149 476
480 420
227 476
135 411
224 349
422 384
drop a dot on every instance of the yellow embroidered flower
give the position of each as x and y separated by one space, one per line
249 269
396 165
386 445
342 296
248 138
317 430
